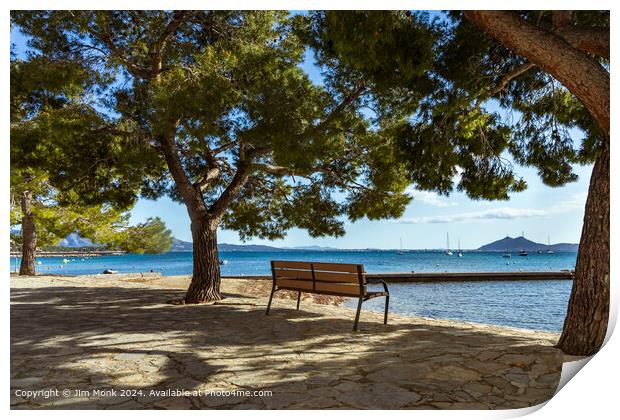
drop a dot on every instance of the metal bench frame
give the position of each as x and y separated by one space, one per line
362 297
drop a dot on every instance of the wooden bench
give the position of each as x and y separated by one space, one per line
326 279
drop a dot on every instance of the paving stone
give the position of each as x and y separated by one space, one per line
282 400
477 389
453 373
174 403
518 379
549 378
129 356
315 404
380 396
26 382
520 360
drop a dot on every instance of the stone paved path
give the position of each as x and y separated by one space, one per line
101 336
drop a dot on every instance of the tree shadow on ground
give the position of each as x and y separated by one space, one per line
114 338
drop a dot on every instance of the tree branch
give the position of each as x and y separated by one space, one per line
191 196
162 41
207 179
248 153
226 146
106 39
286 171
560 18
506 79
218 208
346 101
273 169
580 73
593 41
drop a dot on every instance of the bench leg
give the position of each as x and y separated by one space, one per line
357 315
298 299
270 299
387 305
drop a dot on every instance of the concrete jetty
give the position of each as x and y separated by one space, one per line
453 277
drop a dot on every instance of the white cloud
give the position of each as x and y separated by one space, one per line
430 198
490 214
577 201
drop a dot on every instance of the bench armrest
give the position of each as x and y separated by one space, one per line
375 281
379 281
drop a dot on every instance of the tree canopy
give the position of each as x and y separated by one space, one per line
230 87
149 237
458 130
67 174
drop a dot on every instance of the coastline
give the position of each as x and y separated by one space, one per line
418 267
237 284
60 254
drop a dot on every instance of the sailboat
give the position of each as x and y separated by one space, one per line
448 252
459 253
549 250
401 247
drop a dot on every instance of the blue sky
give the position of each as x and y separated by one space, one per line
539 212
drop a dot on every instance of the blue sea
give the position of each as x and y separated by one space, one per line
539 305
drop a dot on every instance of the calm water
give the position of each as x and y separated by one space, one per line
537 305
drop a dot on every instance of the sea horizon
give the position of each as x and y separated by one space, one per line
247 262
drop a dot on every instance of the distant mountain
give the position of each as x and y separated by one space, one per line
180 246
74 240
314 248
509 244
565 247
184 246
248 248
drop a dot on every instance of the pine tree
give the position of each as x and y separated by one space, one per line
549 69
229 123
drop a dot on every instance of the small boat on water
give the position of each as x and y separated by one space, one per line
459 253
401 247
110 271
523 253
549 250
507 255
448 252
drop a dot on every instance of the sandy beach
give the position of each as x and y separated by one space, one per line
98 336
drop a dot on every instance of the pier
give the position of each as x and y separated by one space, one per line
454 277
460 277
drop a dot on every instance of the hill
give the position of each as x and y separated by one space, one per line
74 240
184 246
509 244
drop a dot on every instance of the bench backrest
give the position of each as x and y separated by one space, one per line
317 277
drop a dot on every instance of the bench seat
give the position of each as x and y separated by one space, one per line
348 280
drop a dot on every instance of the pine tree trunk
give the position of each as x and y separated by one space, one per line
588 308
205 285
29 236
